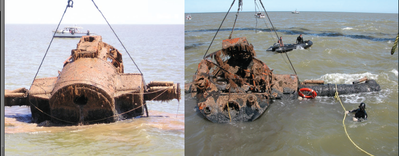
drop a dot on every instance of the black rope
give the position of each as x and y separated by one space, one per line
256 19
238 11
278 37
66 8
45 54
117 36
218 29
264 20
123 47
269 18
146 109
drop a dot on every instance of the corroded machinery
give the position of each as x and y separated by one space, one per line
231 85
92 88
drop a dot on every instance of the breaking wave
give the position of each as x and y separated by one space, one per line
347 28
305 32
376 97
394 71
339 78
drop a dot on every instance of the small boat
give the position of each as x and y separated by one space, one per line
260 15
295 12
72 32
288 47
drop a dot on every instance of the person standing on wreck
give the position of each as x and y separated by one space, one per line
281 41
360 113
299 39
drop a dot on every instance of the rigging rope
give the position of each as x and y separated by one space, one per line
264 20
277 36
66 8
218 29
117 37
45 54
238 11
269 19
343 121
256 19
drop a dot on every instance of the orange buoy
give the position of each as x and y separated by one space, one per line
314 94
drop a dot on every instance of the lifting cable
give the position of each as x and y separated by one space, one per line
256 19
66 8
117 37
145 106
218 29
277 36
238 11
343 121
256 27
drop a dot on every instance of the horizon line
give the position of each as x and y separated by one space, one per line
97 24
299 11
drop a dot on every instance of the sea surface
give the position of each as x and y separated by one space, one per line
346 47
157 50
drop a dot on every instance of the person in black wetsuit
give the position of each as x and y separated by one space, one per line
299 39
360 113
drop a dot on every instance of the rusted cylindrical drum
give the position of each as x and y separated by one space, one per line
84 93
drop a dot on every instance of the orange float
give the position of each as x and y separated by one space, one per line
314 94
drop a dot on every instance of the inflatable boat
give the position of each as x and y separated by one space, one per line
288 47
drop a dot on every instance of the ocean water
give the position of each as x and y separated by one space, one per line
157 50
346 47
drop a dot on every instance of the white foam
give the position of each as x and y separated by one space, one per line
299 47
374 97
347 28
394 71
339 78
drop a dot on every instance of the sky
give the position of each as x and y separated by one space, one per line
167 11
366 6
84 12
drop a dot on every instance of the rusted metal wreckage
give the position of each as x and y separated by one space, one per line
91 88
231 85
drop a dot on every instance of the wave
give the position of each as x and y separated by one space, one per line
193 45
305 32
394 71
338 78
377 97
347 28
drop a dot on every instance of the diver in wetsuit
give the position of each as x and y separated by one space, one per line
360 113
299 39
